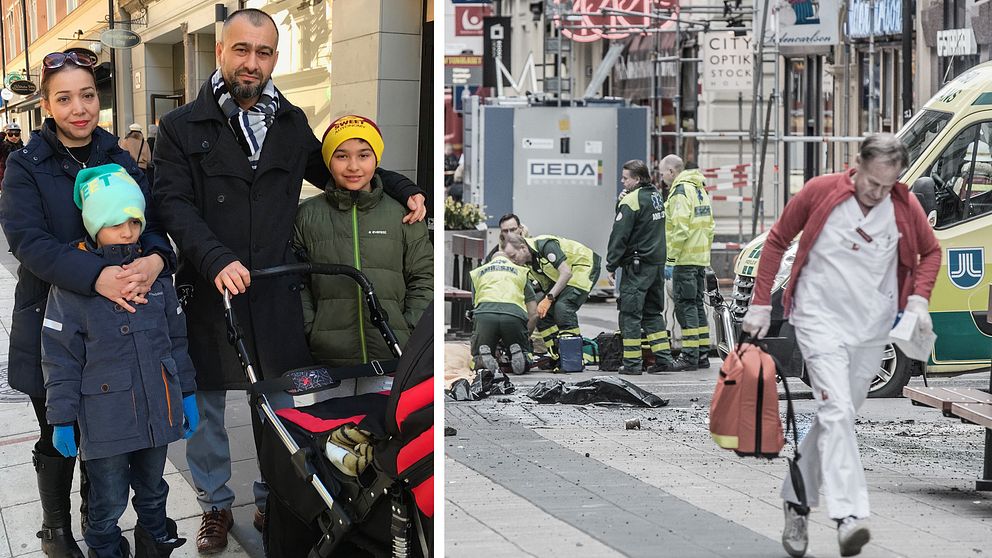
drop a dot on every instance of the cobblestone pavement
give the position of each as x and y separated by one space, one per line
526 479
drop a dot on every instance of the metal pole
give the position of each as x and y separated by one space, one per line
871 66
113 74
27 62
907 60
3 67
656 100
740 161
678 84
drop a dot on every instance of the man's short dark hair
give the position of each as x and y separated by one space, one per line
507 217
255 16
638 170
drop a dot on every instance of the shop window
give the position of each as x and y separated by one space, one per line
962 176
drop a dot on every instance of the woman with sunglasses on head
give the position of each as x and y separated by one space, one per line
11 142
42 224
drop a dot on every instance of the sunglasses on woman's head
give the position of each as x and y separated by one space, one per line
77 57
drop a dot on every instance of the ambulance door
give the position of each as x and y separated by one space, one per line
962 173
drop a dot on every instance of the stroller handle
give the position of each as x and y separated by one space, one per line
308 268
377 315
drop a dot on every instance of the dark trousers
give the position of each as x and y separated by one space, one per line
490 329
687 290
563 318
642 303
110 479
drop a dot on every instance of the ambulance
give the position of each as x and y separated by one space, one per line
950 172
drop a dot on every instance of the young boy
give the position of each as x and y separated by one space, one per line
354 224
124 377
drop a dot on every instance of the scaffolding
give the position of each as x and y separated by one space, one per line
765 127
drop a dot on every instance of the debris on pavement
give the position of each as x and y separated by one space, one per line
483 384
632 424
450 431
599 389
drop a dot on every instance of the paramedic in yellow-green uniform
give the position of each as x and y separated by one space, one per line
505 310
566 271
689 235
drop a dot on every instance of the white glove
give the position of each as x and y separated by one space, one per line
921 307
757 320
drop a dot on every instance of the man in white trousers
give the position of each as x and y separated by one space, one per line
866 254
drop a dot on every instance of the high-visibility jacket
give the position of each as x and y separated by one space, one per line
639 227
545 262
689 220
498 287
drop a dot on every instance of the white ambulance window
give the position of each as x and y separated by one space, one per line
963 176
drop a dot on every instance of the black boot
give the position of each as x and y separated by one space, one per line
125 550
147 547
54 482
84 495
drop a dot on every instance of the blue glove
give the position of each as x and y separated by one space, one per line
64 440
668 271
192 415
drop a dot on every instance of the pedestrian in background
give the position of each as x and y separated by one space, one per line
229 170
41 221
689 235
11 142
134 143
866 253
637 246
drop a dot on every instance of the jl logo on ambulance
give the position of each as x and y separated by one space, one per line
965 266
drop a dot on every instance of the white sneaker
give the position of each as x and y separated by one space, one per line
852 534
794 536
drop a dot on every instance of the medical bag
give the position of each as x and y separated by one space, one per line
744 414
610 346
570 353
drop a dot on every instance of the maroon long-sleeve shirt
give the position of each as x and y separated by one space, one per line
919 251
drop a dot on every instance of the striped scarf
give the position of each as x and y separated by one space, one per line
250 125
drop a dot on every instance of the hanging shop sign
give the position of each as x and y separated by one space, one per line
801 26
468 20
23 87
956 42
495 45
727 61
888 18
120 38
588 21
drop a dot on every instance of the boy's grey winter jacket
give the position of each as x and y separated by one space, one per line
121 376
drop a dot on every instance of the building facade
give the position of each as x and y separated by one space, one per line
380 66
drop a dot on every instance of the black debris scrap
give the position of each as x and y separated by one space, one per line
482 386
600 389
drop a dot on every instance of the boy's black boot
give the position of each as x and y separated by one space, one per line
84 496
125 550
147 547
54 482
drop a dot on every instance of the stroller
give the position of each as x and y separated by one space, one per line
315 507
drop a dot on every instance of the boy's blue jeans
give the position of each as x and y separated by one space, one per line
110 479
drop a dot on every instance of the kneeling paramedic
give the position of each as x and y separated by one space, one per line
124 376
505 312
866 253
566 271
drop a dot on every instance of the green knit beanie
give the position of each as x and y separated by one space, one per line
108 196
